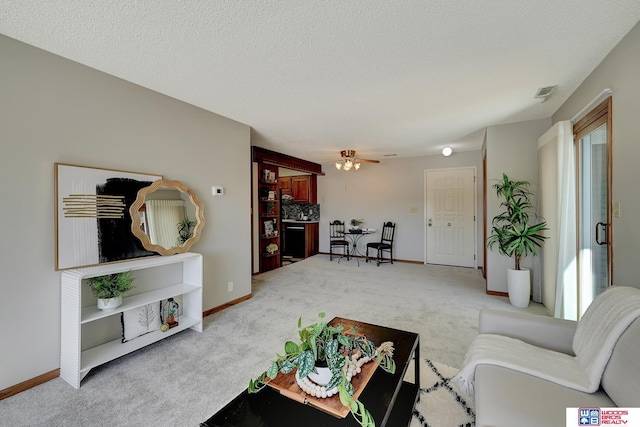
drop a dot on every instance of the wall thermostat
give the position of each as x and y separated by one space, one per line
217 190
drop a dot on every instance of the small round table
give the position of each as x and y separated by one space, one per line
354 235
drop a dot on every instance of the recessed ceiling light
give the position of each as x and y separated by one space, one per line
446 151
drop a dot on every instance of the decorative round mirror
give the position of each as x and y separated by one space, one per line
167 217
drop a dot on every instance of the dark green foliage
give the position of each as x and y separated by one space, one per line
185 231
511 229
111 285
321 344
357 222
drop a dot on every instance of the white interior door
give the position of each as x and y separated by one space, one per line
450 217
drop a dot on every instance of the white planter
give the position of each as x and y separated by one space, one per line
322 378
519 285
109 304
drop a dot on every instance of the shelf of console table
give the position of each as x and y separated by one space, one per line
110 350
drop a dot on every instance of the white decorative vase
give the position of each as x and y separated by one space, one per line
110 303
322 378
519 285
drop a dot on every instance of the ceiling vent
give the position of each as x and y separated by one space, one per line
545 92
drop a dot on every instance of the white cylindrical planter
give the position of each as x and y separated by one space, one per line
519 285
323 376
109 304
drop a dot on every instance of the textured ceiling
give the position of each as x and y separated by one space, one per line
314 77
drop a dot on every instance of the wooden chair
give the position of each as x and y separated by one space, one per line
337 239
385 244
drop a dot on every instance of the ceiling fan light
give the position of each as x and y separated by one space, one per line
349 161
446 151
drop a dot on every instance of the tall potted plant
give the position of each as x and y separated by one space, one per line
517 232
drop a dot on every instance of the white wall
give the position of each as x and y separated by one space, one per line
620 71
511 149
54 110
390 191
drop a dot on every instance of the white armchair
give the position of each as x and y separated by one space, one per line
507 396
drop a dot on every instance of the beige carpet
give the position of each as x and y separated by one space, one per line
183 380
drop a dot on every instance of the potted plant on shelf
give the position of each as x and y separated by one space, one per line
516 234
326 358
271 207
271 248
356 223
110 288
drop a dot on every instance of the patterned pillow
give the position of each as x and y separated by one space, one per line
140 321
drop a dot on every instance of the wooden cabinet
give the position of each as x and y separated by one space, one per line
269 217
301 187
284 184
312 238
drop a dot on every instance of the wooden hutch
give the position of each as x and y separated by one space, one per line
268 209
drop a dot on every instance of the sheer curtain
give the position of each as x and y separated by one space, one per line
556 156
163 217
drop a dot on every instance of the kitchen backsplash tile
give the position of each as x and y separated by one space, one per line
293 211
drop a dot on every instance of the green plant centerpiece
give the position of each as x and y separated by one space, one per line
355 223
512 229
342 352
110 288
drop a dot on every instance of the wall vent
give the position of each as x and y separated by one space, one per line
545 92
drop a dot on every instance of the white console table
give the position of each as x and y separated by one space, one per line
76 362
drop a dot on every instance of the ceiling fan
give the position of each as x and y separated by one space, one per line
349 160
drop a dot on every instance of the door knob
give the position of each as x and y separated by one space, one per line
448 224
602 225
430 223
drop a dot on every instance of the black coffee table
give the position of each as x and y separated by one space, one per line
388 398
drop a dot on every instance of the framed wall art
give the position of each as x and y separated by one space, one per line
93 224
